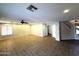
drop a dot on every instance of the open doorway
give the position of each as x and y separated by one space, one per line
49 30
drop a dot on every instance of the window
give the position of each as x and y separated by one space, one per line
77 29
6 30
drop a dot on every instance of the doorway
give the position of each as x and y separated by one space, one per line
49 30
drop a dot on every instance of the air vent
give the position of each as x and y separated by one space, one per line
32 8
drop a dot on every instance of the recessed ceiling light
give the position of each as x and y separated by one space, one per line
66 11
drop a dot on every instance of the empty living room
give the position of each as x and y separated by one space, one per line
39 29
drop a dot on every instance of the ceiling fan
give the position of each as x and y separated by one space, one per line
23 22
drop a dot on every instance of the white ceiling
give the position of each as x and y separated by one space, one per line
47 12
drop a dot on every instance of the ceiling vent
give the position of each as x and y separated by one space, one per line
32 8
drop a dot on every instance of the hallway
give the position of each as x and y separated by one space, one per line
31 45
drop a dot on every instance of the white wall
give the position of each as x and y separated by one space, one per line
37 29
14 29
21 29
56 31
24 29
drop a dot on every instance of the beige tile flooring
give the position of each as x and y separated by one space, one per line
30 45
